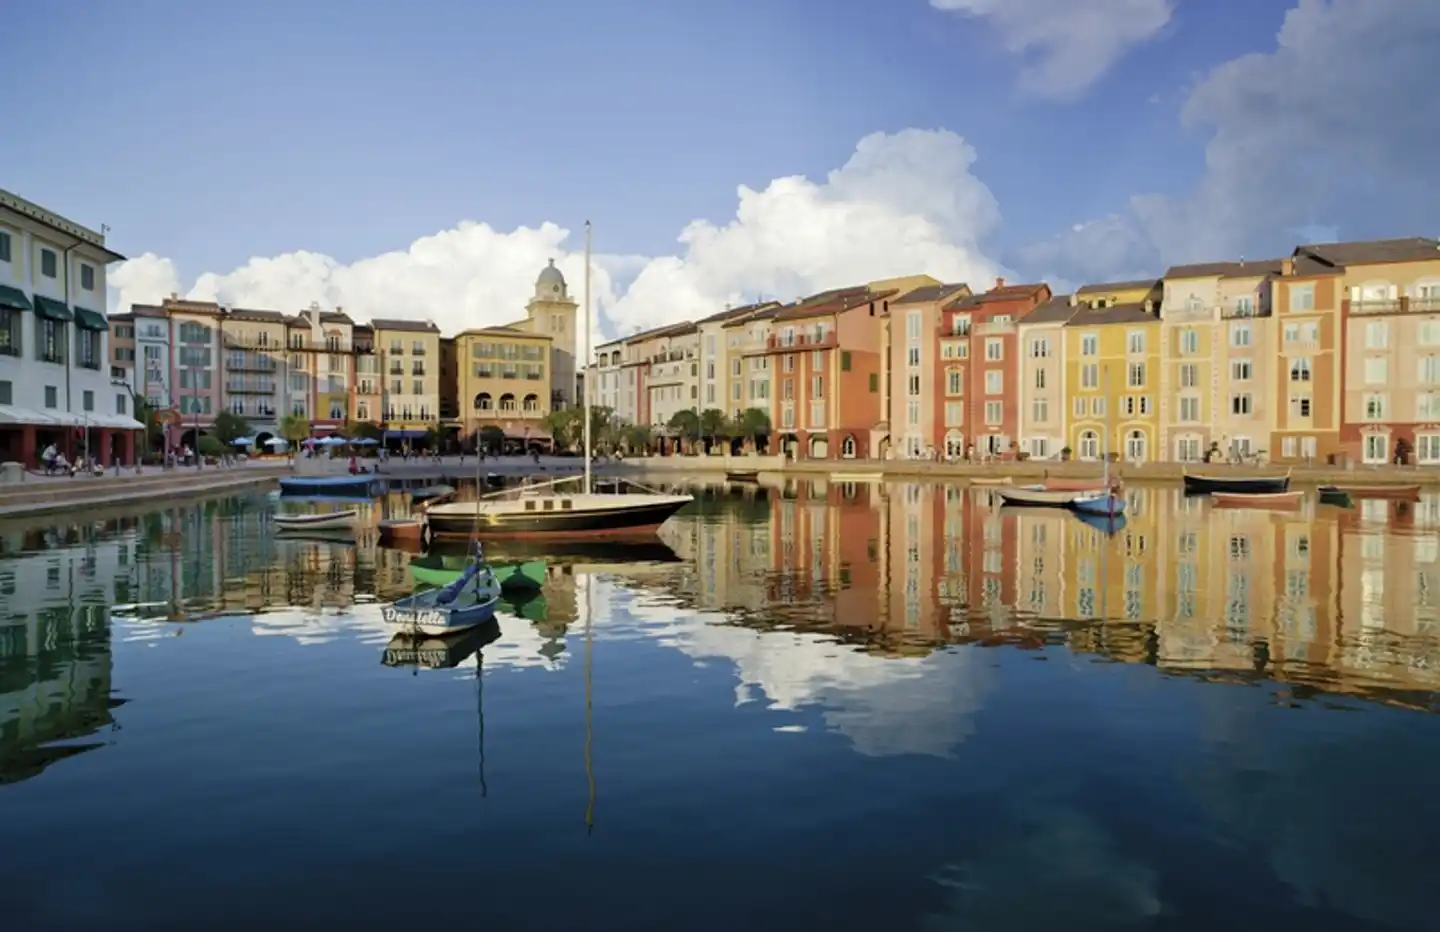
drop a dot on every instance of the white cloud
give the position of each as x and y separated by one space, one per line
903 203
1334 131
1067 45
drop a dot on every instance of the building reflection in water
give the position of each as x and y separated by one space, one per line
839 596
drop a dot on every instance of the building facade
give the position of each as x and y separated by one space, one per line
55 358
256 367
1112 359
1390 312
920 360
411 355
1043 402
1306 383
504 384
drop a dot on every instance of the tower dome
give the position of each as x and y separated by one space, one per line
550 277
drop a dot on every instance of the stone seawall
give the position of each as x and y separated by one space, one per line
57 496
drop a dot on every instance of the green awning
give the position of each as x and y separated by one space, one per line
87 319
13 298
51 309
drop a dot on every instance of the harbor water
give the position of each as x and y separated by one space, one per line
816 706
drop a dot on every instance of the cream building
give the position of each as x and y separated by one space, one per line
410 362
1217 357
254 353
603 379
504 382
673 379
750 375
1043 402
552 313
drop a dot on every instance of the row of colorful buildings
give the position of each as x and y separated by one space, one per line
1330 353
72 376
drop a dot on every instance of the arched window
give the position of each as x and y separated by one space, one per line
483 402
507 402
1089 445
531 405
847 447
1135 446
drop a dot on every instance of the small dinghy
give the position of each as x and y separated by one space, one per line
1102 505
1256 499
1041 497
981 480
468 601
325 521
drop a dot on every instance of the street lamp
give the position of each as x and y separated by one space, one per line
134 407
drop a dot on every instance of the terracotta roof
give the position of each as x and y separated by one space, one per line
1012 292
413 326
510 332
1311 267
123 318
1111 287
930 293
765 313
246 314
335 317
827 303
650 334
147 310
1240 269
1373 252
1114 314
364 327
1057 310
730 313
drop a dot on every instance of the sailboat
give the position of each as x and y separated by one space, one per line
547 509
1107 504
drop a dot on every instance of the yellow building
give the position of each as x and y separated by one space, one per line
1217 356
1112 371
410 367
503 381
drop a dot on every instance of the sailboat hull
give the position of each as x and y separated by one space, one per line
586 517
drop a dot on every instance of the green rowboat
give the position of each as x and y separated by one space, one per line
438 571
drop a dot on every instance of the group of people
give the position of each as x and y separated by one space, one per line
55 463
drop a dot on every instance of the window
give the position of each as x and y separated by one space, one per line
87 400
1090 344
52 341
1135 341
1245 305
1241 403
47 263
1135 446
1039 378
913 386
120 404
994 382
1290 447
10 324
994 349
1428 370
87 348
1189 342
1190 410
1040 348
1089 375
994 412
1040 410
1128 405
817 386
1427 406
912 356
1300 406
954 382
87 277
912 413
1089 445
874 383
1375 407
52 397
4 246
1241 370
844 362
1300 369
1080 407
1376 449
912 326
1136 377
7 392
1189 375
1240 334
1427 448
1097 406
1302 297
954 413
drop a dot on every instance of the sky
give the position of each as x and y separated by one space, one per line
423 160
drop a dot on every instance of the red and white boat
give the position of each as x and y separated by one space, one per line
1256 499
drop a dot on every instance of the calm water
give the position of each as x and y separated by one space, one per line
840 708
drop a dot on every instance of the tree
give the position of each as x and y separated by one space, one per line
433 438
602 428
564 427
714 425
229 427
154 430
686 425
490 438
295 428
211 446
367 430
753 424
635 437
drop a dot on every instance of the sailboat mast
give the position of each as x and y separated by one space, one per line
585 360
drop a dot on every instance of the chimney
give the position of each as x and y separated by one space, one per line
1074 300
1287 267
1149 305
999 283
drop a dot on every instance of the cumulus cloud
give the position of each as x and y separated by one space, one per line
903 203
1067 45
1333 131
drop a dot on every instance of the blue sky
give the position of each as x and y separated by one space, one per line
213 133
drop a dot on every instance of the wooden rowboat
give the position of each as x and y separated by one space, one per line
1256 499
1405 493
981 481
327 521
1239 484
1038 496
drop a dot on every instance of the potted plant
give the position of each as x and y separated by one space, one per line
1065 454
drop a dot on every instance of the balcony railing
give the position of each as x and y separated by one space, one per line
1426 304
801 341
1238 313
993 328
242 341
250 388
252 364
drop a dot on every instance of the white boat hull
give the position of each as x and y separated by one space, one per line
338 521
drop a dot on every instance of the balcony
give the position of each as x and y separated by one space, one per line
248 387
995 328
250 342
1239 313
252 364
1425 304
801 342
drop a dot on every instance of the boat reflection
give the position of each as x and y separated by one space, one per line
442 652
